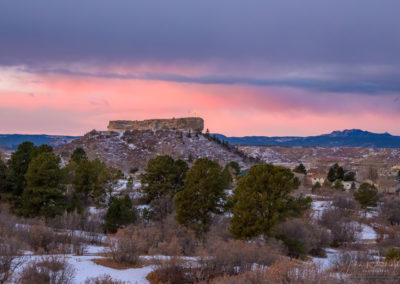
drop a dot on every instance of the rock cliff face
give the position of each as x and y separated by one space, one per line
194 124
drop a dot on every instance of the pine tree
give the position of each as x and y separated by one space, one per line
203 195
263 199
17 167
162 179
119 214
301 169
340 173
44 195
3 175
79 155
367 195
234 168
338 185
92 178
331 175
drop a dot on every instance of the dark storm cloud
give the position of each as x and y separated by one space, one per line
298 35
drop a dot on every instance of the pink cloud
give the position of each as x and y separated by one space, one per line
59 104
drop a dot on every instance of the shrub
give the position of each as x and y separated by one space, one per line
169 271
52 270
339 222
393 254
104 279
390 210
41 238
282 272
302 237
123 250
345 202
231 257
167 238
10 258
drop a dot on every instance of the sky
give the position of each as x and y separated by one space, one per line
271 68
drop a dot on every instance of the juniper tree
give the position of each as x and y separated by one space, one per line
301 169
263 199
119 214
79 155
367 195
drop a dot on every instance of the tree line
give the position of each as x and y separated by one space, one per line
35 184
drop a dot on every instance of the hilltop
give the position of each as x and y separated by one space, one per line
133 148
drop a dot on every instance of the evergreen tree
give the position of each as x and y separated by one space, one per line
119 214
17 167
301 169
202 196
340 173
315 187
92 179
41 149
393 255
43 195
367 195
3 175
74 203
263 199
234 168
162 179
227 177
331 175
349 176
78 155
338 185
335 172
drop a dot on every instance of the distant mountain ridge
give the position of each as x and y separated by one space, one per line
10 142
345 138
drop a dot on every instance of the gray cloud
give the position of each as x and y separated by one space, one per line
361 85
300 35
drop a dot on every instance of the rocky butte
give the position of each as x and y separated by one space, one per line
194 124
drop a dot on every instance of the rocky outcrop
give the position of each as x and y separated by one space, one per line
194 124
134 148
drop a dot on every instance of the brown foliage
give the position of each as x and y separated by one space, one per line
52 270
104 279
10 258
166 238
282 271
123 250
168 272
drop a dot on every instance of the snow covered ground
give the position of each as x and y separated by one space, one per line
85 268
367 234
319 206
329 260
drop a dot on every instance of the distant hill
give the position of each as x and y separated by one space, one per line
346 138
10 142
